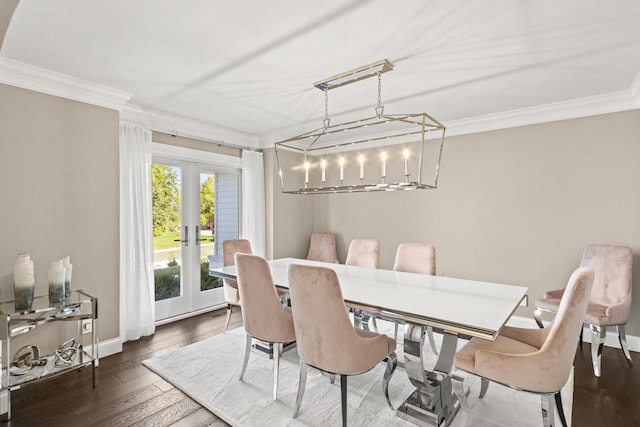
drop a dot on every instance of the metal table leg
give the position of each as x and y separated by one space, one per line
433 401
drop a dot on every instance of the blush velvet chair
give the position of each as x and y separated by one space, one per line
229 286
263 315
417 258
534 360
323 248
325 338
363 253
610 303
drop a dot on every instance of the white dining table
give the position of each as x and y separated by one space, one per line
452 306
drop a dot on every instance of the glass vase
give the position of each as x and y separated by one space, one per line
23 282
56 282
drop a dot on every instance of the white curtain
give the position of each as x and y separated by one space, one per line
253 201
137 298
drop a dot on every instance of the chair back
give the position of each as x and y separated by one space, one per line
363 253
323 248
559 348
416 258
612 284
231 247
263 315
325 337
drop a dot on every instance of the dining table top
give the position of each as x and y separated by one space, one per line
469 307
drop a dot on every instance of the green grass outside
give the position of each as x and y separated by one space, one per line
166 241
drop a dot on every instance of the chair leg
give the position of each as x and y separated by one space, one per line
537 314
432 340
598 335
247 352
229 311
277 348
484 386
548 410
343 396
622 336
392 363
560 409
581 335
302 383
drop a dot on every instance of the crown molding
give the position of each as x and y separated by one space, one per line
573 109
38 79
181 126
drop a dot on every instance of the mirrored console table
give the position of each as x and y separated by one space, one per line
45 341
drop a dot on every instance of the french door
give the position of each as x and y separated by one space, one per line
195 207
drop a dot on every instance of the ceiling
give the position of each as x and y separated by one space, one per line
249 66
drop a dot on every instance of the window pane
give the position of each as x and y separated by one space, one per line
167 225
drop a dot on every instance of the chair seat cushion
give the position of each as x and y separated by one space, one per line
596 313
391 343
465 358
231 293
549 304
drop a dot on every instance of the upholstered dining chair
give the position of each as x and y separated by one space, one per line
229 286
533 360
610 303
363 253
264 317
417 258
325 338
323 248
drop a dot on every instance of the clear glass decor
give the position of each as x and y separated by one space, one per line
56 282
23 281
68 268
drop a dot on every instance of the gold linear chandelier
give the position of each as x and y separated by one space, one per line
385 152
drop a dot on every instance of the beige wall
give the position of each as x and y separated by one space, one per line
513 206
288 216
59 174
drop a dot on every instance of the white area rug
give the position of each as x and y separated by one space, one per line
208 372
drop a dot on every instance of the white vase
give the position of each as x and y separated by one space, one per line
23 282
56 282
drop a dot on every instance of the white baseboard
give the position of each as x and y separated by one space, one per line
612 333
109 347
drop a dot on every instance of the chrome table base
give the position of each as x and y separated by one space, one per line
433 401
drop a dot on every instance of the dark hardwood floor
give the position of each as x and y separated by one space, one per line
131 395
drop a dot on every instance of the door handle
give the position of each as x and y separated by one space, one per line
198 239
186 233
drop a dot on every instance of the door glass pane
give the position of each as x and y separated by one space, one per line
226 220
207 227
167 225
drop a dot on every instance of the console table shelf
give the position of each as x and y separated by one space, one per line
69 326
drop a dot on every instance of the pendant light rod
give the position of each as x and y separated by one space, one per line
357 74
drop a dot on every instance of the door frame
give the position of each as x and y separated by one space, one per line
195 159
